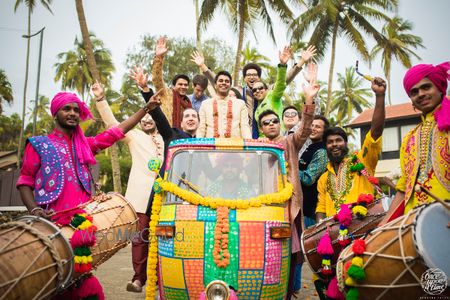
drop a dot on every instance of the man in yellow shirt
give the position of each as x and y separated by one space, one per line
347 176
425 151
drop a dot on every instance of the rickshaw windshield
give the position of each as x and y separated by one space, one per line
226 174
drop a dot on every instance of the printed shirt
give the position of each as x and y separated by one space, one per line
73 193
425 159
347 185
316 167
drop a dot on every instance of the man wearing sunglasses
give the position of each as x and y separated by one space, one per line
270 126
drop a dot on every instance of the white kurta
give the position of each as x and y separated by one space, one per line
142 148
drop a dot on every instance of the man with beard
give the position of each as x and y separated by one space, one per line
144 145
347 177
175 100
222 115
425 151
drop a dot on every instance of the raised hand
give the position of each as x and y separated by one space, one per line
97 90
161 46
197 58
378 86
311 72
285 55
154 101
138 75
311 91
308 53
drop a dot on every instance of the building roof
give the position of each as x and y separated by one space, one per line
6 153
393 112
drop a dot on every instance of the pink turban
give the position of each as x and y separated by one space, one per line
82 148
439 75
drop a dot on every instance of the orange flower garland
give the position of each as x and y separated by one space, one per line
227 133
220 252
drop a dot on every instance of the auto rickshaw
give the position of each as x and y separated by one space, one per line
223 223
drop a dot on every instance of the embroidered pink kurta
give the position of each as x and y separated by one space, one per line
73 193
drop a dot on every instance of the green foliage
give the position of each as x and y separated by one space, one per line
218 56
350 97
9 127
104 160
31 4
6 93
396 44
72 69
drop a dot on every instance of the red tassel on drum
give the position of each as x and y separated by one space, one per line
359 246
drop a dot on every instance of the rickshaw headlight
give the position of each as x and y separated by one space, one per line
280 232
217 290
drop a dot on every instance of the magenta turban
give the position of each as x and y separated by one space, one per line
82 148
439 75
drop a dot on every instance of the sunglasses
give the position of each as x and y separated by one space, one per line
270 121
254 90
290 114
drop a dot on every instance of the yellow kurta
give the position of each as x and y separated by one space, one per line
347 185
425 159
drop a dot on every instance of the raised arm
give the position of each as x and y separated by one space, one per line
158 80
102 105
199 60
306 55
280 83
379 114
304 130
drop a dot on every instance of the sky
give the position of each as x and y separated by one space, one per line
120 24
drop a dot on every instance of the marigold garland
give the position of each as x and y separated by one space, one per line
220 251
196 199
152 261
227 133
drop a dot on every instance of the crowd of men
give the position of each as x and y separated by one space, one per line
55 173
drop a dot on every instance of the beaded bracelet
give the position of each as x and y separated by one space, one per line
35 209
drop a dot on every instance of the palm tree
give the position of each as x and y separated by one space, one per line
6 93
42 108
92 66
397 44
31 4
351 96
73 69
198 32
242 16
332 18
250 54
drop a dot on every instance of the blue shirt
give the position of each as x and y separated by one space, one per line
197 102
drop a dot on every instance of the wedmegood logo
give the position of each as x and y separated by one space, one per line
434 281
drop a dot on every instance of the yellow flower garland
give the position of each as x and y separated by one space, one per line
274 198
196 199
152 261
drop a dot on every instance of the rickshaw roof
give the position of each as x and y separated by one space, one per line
225 144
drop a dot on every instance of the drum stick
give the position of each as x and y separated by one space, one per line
419 188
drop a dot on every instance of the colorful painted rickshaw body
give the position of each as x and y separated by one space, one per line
259 259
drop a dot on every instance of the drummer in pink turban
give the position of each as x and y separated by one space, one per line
425 151
55 174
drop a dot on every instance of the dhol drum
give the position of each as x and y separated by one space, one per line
310 237
406 258
36 260
116 222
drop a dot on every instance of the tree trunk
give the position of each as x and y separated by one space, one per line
22 128
197 28
237 65
96 76
330 73
388 79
